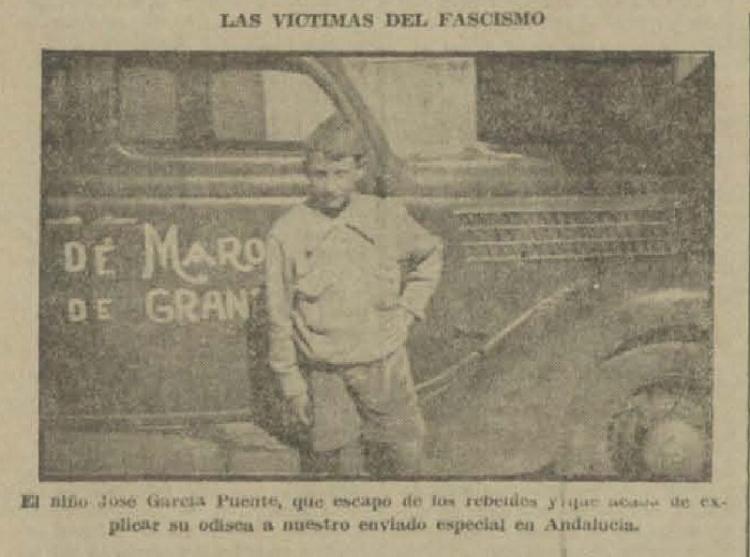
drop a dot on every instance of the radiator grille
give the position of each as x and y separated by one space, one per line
533 234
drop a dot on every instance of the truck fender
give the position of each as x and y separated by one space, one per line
679 315
643 408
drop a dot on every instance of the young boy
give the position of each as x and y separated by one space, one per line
346 274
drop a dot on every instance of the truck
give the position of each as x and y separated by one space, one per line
570 336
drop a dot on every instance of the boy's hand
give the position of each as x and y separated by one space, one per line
299 407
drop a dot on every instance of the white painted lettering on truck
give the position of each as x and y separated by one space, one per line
78 311
101 262
230 248
75 257
103 309
184 305
165 253
157 312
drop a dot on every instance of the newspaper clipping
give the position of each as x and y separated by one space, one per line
288 278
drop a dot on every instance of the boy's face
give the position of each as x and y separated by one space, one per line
332 181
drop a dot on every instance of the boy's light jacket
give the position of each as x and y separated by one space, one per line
344 290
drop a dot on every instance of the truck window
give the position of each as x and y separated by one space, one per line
217 109
148 104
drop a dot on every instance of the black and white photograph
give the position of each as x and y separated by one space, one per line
269 265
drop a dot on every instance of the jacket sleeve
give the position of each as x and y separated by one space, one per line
423 254
282 352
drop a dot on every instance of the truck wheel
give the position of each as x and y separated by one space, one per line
644 414
662 432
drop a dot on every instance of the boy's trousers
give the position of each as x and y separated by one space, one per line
374 402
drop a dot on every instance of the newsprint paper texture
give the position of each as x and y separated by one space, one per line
446 278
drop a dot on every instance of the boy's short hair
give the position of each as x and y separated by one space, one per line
335 138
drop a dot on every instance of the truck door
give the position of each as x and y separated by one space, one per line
162 175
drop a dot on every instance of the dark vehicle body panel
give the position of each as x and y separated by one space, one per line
171 238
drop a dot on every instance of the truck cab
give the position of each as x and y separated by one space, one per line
569 337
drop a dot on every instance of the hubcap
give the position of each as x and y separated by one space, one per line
661 433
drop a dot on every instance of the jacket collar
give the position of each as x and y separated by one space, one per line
359 216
